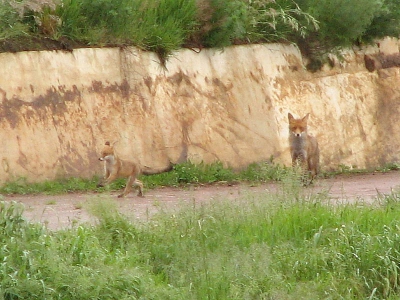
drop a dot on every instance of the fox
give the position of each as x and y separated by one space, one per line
114 168
304 148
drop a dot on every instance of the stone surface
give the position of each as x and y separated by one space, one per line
58 108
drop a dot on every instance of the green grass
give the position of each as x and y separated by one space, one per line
182 174
347 170
284 245
163 26
51 187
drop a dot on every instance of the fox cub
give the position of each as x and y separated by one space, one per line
303 147
115 167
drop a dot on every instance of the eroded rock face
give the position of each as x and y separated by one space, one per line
58 108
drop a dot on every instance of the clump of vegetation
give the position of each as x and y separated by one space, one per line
386 22
10 22
343 24
182 174
283 245
66 185
163 26
37 264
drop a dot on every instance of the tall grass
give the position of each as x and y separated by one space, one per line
166 25
10 22
288 245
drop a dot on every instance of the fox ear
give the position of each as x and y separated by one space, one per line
306 117
290 116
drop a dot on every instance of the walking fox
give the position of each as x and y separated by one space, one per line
115 167
303 147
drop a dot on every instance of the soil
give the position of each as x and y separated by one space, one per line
31 43
65 211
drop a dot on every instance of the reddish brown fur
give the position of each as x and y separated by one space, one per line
115 167
304 148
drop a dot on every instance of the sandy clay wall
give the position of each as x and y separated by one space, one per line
58 108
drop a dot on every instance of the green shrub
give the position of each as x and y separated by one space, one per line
226 23
160 26
281 20
164 25
73 22
95 22
11 25
341 24
386 22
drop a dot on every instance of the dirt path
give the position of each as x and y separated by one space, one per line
63 211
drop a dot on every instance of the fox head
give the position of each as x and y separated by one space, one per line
298 127
107 152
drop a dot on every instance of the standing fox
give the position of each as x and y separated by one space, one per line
115 167
303 147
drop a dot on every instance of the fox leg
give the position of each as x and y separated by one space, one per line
139 184
312 175
107 172
313 169
107 180
128 187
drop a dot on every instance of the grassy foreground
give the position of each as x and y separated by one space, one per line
267 246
